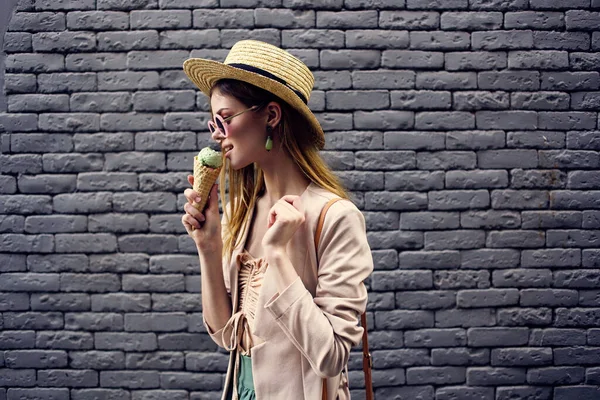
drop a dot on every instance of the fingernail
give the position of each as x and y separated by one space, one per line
198 199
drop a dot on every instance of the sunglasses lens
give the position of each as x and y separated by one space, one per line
211 128
220 125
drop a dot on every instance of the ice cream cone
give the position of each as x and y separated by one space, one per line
204 179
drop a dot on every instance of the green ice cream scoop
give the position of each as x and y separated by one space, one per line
210 158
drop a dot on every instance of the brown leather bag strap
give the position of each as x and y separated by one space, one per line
367 359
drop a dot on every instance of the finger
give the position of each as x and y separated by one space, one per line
193 212
190 179
191 195
191 221
213 199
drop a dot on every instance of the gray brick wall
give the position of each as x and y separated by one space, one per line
467 131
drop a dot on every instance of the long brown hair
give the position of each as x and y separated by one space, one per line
247 184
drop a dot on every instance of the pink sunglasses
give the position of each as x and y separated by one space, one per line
219 123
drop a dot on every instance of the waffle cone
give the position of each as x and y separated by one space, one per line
204 179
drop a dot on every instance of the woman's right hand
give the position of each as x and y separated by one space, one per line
206 231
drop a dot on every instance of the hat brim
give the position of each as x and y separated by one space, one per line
205 73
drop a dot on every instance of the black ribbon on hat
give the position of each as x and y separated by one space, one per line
267 74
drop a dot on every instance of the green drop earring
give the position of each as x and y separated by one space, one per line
269 142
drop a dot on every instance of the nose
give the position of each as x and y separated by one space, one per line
215 133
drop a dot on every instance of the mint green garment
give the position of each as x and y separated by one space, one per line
245 387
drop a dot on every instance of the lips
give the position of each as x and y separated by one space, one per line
227 149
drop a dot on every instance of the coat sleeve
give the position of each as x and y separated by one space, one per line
217 336
324 328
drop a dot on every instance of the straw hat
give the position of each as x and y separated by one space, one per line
263 65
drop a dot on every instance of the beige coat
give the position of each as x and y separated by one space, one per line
309 328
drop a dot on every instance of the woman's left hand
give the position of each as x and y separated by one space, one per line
285 217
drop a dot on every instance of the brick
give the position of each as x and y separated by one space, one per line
585 100
517 239
92 243
414 280
436 338
513 80
460 61
96 62
465 393
13 262
536 139
558 337
577 392
399 319
507 120
421 100
488 376
429 220
461 279
568 159
532 179
159 283
522 278
507 159
407 201
71 162
519 200
503 5
459 356
120 302
186 341
97 20
439 40
116 5
37 22
430 259
437 4
476 180
34 321
25 204
410 20
409 392
540 100
359 180
127 80
19 83
474 140
551 258
19 164
449 240
18 122
502 40
525 317
30 282
126 40
84 394
24 377
576 317
38 103
63 42
395 239
464 318
582 20
67 340
564 199
35 359
102 142
458 200
98 360
19 243
93 321
38 394
435 375
442 120
561 40
584 61
347 19
487 298
223 18
471 21
549 297
539 20
521 357
60 302
576 279
125 341
56 224
355 59
412 59
287 19
569 80
538 59
555 375
542 219
425 300
414 180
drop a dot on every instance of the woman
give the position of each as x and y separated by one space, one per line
287 311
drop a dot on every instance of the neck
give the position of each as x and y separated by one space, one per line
282 177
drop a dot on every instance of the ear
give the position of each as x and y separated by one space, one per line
273 113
